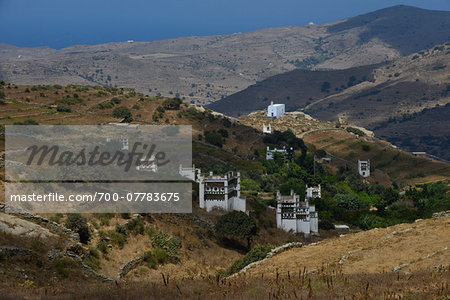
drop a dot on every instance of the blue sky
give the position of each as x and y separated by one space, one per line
61 23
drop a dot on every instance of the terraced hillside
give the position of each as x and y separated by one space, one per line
388 163
404 101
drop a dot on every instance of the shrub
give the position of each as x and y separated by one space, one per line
326 225
68 101
116 100
238 225
27 122
214 138
365 148
172 104
117 238
123 112
223 132
78 223
102 245
61 108
355 131
167 242
63 265
136 226
2 95
258 253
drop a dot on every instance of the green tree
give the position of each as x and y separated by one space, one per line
237 225
214 138
123 112
172 104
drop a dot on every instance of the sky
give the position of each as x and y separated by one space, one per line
62 23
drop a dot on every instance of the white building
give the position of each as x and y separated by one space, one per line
270 153
364 168
191 173
267 129
296 215
275 110
222 192
313 192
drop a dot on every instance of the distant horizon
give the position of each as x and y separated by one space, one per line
61 24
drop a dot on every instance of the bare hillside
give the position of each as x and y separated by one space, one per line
423 245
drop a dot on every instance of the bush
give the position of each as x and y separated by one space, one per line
27 122
238 225
116 100
172 104
349 202
2 95
258 253
102 245
117 238
355 131
214 138
63 265
123 112
156 257
326 225
69 101
63 108
136 226
78 223
223 132
167 242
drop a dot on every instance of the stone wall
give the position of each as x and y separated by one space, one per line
132 264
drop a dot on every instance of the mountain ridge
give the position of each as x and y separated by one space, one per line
205 69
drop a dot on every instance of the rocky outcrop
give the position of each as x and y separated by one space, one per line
442 214
16 226
50 225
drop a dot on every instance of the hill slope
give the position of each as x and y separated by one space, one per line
205 69
384 98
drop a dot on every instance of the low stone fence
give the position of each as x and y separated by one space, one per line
272 253
87 268
14 251
132 264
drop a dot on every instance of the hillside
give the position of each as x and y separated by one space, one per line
206 69
184 255
403 261
385 98
402 251
388 163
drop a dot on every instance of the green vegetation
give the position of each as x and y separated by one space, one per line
355 131
237 225
172 104
78 224
258 253
214 138
124 113
156 257
27 122
167 242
